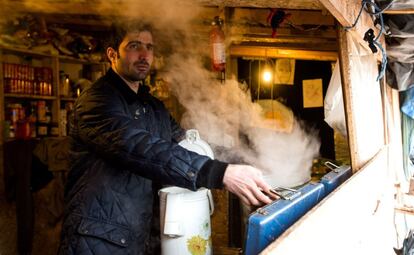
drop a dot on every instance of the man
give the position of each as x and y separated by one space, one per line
122 140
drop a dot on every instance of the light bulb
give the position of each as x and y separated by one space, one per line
267 76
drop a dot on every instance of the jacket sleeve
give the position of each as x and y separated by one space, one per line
105 126
177 133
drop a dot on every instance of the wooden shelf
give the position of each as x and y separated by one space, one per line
71 99
26 52
30 138
62 58
69 59
11 95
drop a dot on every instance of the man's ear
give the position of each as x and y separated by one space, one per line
111 54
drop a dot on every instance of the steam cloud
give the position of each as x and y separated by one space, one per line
223 113
228 120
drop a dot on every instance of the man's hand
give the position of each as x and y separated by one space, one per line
247 183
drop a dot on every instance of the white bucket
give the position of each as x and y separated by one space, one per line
185 221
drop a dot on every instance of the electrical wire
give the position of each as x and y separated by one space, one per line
380 11
301 28
363 6
384 61
377 12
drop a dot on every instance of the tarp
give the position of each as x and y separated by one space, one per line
399 44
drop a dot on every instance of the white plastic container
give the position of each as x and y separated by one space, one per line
185 221
185 214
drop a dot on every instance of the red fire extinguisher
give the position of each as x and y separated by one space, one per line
217 44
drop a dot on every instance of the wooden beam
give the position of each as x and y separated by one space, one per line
107 8
268 52
298 42
406 11
344 13
344 62
286 4
286 42
358 77
329 33
297 17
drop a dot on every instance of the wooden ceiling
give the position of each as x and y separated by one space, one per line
85 7
310 26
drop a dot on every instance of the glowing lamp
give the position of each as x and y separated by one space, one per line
267 76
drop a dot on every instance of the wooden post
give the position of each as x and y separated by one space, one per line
344 53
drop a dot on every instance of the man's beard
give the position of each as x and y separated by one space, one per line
140 75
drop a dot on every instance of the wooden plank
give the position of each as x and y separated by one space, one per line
286 4
24 51
243 27
282 33
297 17
357 218
344 63
268 52
400 12
362 99
27 96
318 44
220 218
345 14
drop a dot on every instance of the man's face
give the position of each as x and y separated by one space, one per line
135 56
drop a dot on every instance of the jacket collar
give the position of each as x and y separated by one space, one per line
116 81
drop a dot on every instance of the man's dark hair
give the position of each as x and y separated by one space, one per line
119 30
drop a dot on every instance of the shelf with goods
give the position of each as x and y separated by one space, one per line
47 83
26 79
24 96
74 76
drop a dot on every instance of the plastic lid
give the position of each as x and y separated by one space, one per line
194 143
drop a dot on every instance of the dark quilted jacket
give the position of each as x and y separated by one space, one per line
121 142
